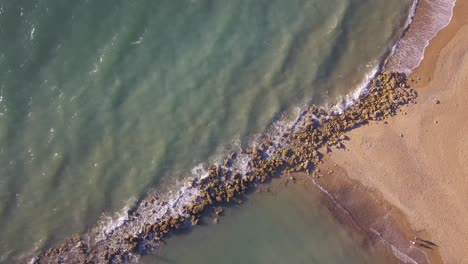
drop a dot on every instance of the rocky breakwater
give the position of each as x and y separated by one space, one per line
297 150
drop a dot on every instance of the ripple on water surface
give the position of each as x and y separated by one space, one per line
101 101
287 225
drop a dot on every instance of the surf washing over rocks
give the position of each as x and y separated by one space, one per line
295 150
105 101
286 147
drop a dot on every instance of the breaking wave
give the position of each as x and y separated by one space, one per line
428 17
155 206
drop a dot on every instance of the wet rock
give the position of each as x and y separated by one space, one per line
386 94
219 210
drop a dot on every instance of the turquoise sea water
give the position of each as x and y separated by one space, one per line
285 225
103 101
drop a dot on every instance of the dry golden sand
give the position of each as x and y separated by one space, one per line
419 160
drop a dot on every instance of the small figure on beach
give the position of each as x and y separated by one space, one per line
423 243
427 242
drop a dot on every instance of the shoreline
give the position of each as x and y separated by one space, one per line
429 18
416 161
297 150
363 210
135 237
426 67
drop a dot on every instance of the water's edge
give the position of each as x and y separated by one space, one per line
144 226
429 17
383 226
133 231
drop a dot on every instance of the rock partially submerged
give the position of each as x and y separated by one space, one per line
319 129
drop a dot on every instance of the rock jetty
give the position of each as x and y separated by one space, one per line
320 131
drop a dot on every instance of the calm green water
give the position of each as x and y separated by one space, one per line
288 225
102 101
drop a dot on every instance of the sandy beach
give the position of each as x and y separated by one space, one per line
418 160
390 178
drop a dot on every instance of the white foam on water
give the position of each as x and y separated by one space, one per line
172 203
396 252
405 50
184 194
108 223
31 36
401 256
199 171
241 164
409 52
349 99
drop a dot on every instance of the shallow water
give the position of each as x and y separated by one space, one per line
432 16
102 101
286 225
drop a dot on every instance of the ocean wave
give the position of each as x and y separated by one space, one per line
132 229
424 22
154 207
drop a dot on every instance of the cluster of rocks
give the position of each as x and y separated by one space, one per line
320 131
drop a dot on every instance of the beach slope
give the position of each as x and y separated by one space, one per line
418 160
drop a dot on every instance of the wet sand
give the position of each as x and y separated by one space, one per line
418 160
388 93
389 157
280 223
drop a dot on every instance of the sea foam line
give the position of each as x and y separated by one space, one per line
279 128
423 27
282 126
173 204
151 217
